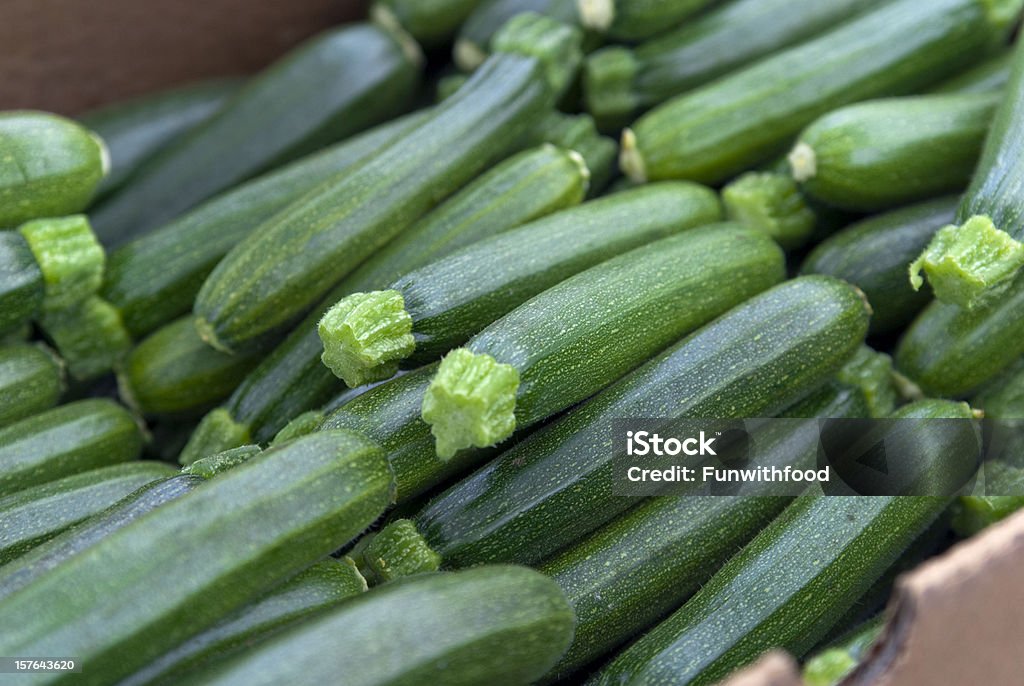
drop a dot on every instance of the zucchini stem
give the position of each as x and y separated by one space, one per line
400 550
631 162
470 402
90 337
217 432
365 335
70 259
803 161
597 15
468 55
772 204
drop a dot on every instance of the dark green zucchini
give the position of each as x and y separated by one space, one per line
474 38
292 261
332 86
873 255
772 204
31 380
90 337
746 117
426 312
37 514
66 440
556 486
989 76
636 20
535 362
430 22
248 530
494 625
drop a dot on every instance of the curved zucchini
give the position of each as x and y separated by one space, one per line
534 362
636 20
873 255
37 514
332 86
495 625
728 125
49 166
292 261
31 380
884 153
430 22
249 529
429 311
475 34
66 440
556 486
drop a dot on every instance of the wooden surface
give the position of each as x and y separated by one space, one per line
71 55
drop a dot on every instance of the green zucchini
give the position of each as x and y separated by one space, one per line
37 514
248 530
535 362
830 666
427 312
636 20
988 77
873 255
172 372
722 128
66 440
21 282
134 130
155 278
322 586
90 337
884 153
430 22
292 261
872 373
475 34
556 486
211 466
621 82
332 86
49 166
495 625
975 259
31 380
772 204
579 134
23 570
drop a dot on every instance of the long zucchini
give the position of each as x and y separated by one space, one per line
31 380
293 260
636 20
873 255
494 625
247 530
49 166
534 362
66 440
429 311
556 486
728 125
330 87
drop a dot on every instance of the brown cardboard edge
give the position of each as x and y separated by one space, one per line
773 669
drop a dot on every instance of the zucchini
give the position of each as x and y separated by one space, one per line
720 129
322 586
636 20
248 530
772 204
975 259
533 362
495 625
988 77
136 129
172 372
475 34
556 486
873 255
427 312
292 261
90 337
37 514
23 570
430 22
621 82
155 278
49 166
211 466
331 86
880 154
830 666
66 440
31 380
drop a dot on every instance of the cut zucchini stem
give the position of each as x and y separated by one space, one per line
597 15
90 336
398 550
70 259
470 402
968 264
771 203
608 77
630 160
468 55
803 161
365 336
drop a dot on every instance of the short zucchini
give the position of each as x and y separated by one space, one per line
31 380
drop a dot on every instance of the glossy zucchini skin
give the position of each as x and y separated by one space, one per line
155 278
332 86
885 153
324 585
51 166
21 282
31 380
135 130
249 529
873 255
555 486
430 22
66 440
495 625
35 515
23 570
720 129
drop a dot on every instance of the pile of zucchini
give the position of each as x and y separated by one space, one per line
312 377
